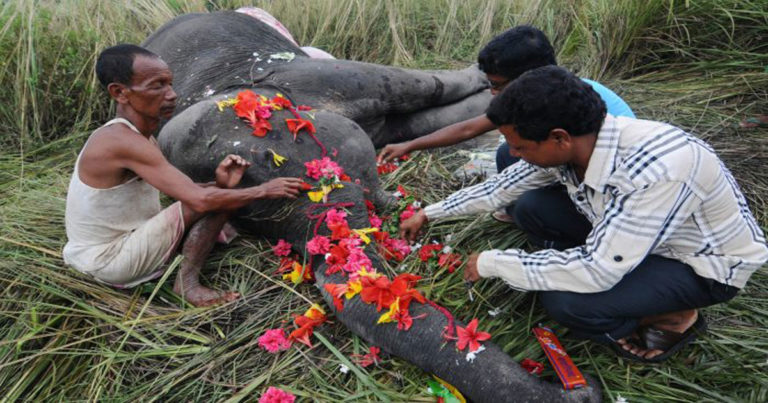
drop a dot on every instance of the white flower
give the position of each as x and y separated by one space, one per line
343 369
620 399
402 268
417 204
397 194
447 249
256 54
448 238
472 355
494 312
415 247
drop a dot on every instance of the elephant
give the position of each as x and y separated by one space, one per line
355 107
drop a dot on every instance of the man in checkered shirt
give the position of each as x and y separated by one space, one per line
652 226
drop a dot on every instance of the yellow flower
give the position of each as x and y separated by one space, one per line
226 102
390 315
316 195
363 272
314 312
362 233
353 288
297 275
277 158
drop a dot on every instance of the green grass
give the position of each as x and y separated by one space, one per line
698 64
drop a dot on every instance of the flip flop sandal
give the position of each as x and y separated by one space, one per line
667 341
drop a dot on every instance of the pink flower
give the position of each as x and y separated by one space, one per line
356 260
282 248
275 395
336 217
401 245
324 168
319 245
375 221
274 340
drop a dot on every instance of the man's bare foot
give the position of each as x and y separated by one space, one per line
202 296
677 322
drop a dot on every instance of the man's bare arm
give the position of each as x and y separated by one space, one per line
449 135
149 163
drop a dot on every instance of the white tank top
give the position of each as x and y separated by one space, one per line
96 219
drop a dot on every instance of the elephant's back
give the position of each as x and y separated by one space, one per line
211 52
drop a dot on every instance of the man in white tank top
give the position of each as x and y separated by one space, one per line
116 229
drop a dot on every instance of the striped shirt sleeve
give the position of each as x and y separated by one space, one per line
498 191
633 224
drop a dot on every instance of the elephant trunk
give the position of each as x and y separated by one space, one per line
491 377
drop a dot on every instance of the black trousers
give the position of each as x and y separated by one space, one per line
658 285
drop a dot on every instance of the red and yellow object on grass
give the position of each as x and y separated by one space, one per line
566 370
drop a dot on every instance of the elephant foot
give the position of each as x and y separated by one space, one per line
200 296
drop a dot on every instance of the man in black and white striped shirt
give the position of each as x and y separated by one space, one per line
652 227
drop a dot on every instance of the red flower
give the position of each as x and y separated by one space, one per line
471 336
305 186
295 125
428 251
261 127
371 358
407 213
385 168
450 260
304 108
376 291
281 102
337 291
339 231
345 178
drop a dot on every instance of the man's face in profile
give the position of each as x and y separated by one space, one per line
150 92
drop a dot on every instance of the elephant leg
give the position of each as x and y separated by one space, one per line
362 91
406 126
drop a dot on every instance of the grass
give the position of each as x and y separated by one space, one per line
700 65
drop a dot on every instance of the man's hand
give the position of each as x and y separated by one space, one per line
470 270
230 171
409 228
281 187
392 151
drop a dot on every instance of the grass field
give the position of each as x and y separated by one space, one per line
702 65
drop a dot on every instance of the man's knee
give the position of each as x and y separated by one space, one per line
564 307
525 211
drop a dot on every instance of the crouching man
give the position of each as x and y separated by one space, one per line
116 229
652 227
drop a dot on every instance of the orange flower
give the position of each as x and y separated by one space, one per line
337 291
314 317
471 336
295 125
280 102
377 291
261 127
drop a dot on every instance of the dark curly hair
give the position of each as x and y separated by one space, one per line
548 98
115 64
516 51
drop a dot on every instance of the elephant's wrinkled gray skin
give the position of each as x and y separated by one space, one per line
200 135
211 53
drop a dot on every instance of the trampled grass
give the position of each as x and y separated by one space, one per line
699 64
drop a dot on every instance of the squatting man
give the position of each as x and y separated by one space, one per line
652 227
